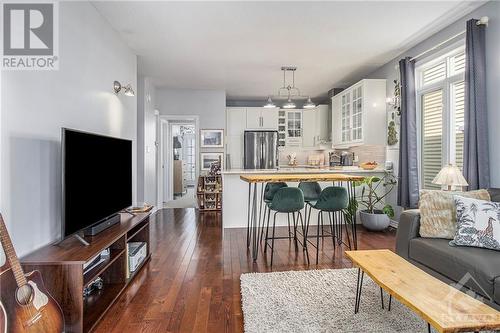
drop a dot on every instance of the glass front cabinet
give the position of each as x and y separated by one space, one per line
294 128
359 114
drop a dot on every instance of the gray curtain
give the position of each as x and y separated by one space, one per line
476 160
408 165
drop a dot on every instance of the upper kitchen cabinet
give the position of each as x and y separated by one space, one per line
262 118
236 119
315 126
294 128
359 114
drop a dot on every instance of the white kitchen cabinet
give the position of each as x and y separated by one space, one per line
294 128
323 123
315 126
234 151
359 115
309 128
262 118
253 118
236 119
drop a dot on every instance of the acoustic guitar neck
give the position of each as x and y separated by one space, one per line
11 255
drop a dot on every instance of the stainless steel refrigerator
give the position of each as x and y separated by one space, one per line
261 150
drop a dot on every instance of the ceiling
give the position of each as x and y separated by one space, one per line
240 46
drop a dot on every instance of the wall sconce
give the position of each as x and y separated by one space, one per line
127 90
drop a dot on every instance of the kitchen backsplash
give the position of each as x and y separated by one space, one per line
369 153
365 153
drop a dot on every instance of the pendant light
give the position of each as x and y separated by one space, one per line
290 91
289 104
269 103
309 104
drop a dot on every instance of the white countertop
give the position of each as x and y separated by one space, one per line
303 169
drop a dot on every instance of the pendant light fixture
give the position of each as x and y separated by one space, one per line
309 104
289 104
290 92
269 103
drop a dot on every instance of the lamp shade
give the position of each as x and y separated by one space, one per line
450 175
309 104
269 103
289 104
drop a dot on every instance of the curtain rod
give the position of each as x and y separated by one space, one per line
482 21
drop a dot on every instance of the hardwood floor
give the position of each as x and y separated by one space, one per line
192 282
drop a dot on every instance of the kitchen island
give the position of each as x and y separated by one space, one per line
235 198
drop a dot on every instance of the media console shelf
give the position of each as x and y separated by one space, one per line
62 269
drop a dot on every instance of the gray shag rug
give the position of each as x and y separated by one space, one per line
320 301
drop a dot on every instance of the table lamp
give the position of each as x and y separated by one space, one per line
450 175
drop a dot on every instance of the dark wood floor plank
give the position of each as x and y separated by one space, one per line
192 282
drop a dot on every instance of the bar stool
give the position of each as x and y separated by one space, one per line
311 191
269 192
286 200
332 200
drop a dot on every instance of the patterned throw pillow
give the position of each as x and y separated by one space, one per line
478 223
438 214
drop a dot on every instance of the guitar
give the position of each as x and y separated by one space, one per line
25 304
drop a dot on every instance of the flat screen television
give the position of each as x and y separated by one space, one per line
96 179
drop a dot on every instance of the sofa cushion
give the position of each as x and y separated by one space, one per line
478 223
438 213
455 262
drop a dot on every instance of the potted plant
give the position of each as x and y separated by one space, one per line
376 217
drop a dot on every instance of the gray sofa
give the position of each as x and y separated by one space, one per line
451 263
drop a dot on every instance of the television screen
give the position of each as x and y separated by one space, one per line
97 178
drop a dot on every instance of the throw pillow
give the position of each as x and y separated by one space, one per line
478 223
438 213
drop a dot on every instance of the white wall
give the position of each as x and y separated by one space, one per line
36 104
146 139
209 105
150 150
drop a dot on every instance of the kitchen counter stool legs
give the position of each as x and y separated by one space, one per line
254 218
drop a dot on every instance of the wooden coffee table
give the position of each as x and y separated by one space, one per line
440 305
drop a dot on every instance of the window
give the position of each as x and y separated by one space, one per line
440 96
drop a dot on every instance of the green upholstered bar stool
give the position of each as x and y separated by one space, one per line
311 191
269 192
288 200
332 200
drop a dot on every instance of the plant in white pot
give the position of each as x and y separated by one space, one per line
376 215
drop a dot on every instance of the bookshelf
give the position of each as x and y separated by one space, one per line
209 193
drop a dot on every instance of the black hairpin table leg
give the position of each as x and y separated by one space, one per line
359 287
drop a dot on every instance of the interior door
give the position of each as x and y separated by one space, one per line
254 118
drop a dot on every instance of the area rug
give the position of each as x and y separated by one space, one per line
319 301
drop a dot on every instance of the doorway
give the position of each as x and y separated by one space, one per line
180 162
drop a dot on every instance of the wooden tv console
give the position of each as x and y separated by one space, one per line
61 266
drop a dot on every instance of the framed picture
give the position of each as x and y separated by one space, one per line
212 138
208 158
